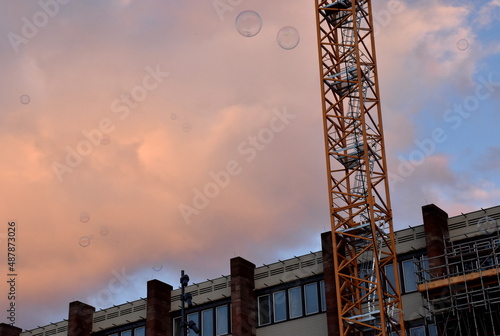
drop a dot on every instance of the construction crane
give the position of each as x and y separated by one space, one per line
368 297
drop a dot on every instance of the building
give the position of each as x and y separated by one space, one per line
449 274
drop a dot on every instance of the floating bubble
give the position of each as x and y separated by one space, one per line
84 217
157 268
25 99
487 224
173 116
84 241
105 140
462 44
248 23
288 37
104 231
186 127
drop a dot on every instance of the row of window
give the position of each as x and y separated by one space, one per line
140 331
210 322
420 331
291 303
410 275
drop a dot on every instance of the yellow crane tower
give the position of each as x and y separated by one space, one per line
368 297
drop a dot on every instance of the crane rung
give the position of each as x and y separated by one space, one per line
339 4
367 318
356 230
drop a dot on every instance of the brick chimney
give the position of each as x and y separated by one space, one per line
158 319
243 305
80 319
332 317
436 233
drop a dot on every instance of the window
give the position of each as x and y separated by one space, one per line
311 298
389 272
322 295
409 275
193 317
366 272
285 304
264 311
222 320
141 331
177 326
295 304
138 331
207 322
210 322
423 273
418 331
279 304
433 330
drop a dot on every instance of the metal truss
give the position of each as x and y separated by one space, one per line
368 298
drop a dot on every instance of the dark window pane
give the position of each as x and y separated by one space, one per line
207 322
264 311
177 326
418 331
311 294
295 304
389 271
141 331
409 275
222 320
279 300
193 317
126 333
323 295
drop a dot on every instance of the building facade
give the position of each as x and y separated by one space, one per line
449 275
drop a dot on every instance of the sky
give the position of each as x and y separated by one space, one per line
144 137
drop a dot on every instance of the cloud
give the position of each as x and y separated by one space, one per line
487 13
221 93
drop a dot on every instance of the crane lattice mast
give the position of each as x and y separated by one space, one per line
368 298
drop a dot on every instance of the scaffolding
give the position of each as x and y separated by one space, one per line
461 288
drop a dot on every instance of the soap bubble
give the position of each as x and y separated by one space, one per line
462 44
84 241
248 23
487 224
84 217
186 127
104 231
25 99
173 116
288 37
105 140
157 268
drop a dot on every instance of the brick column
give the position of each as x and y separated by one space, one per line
9 330
158 319
332 312
436 231
243 304
80 319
